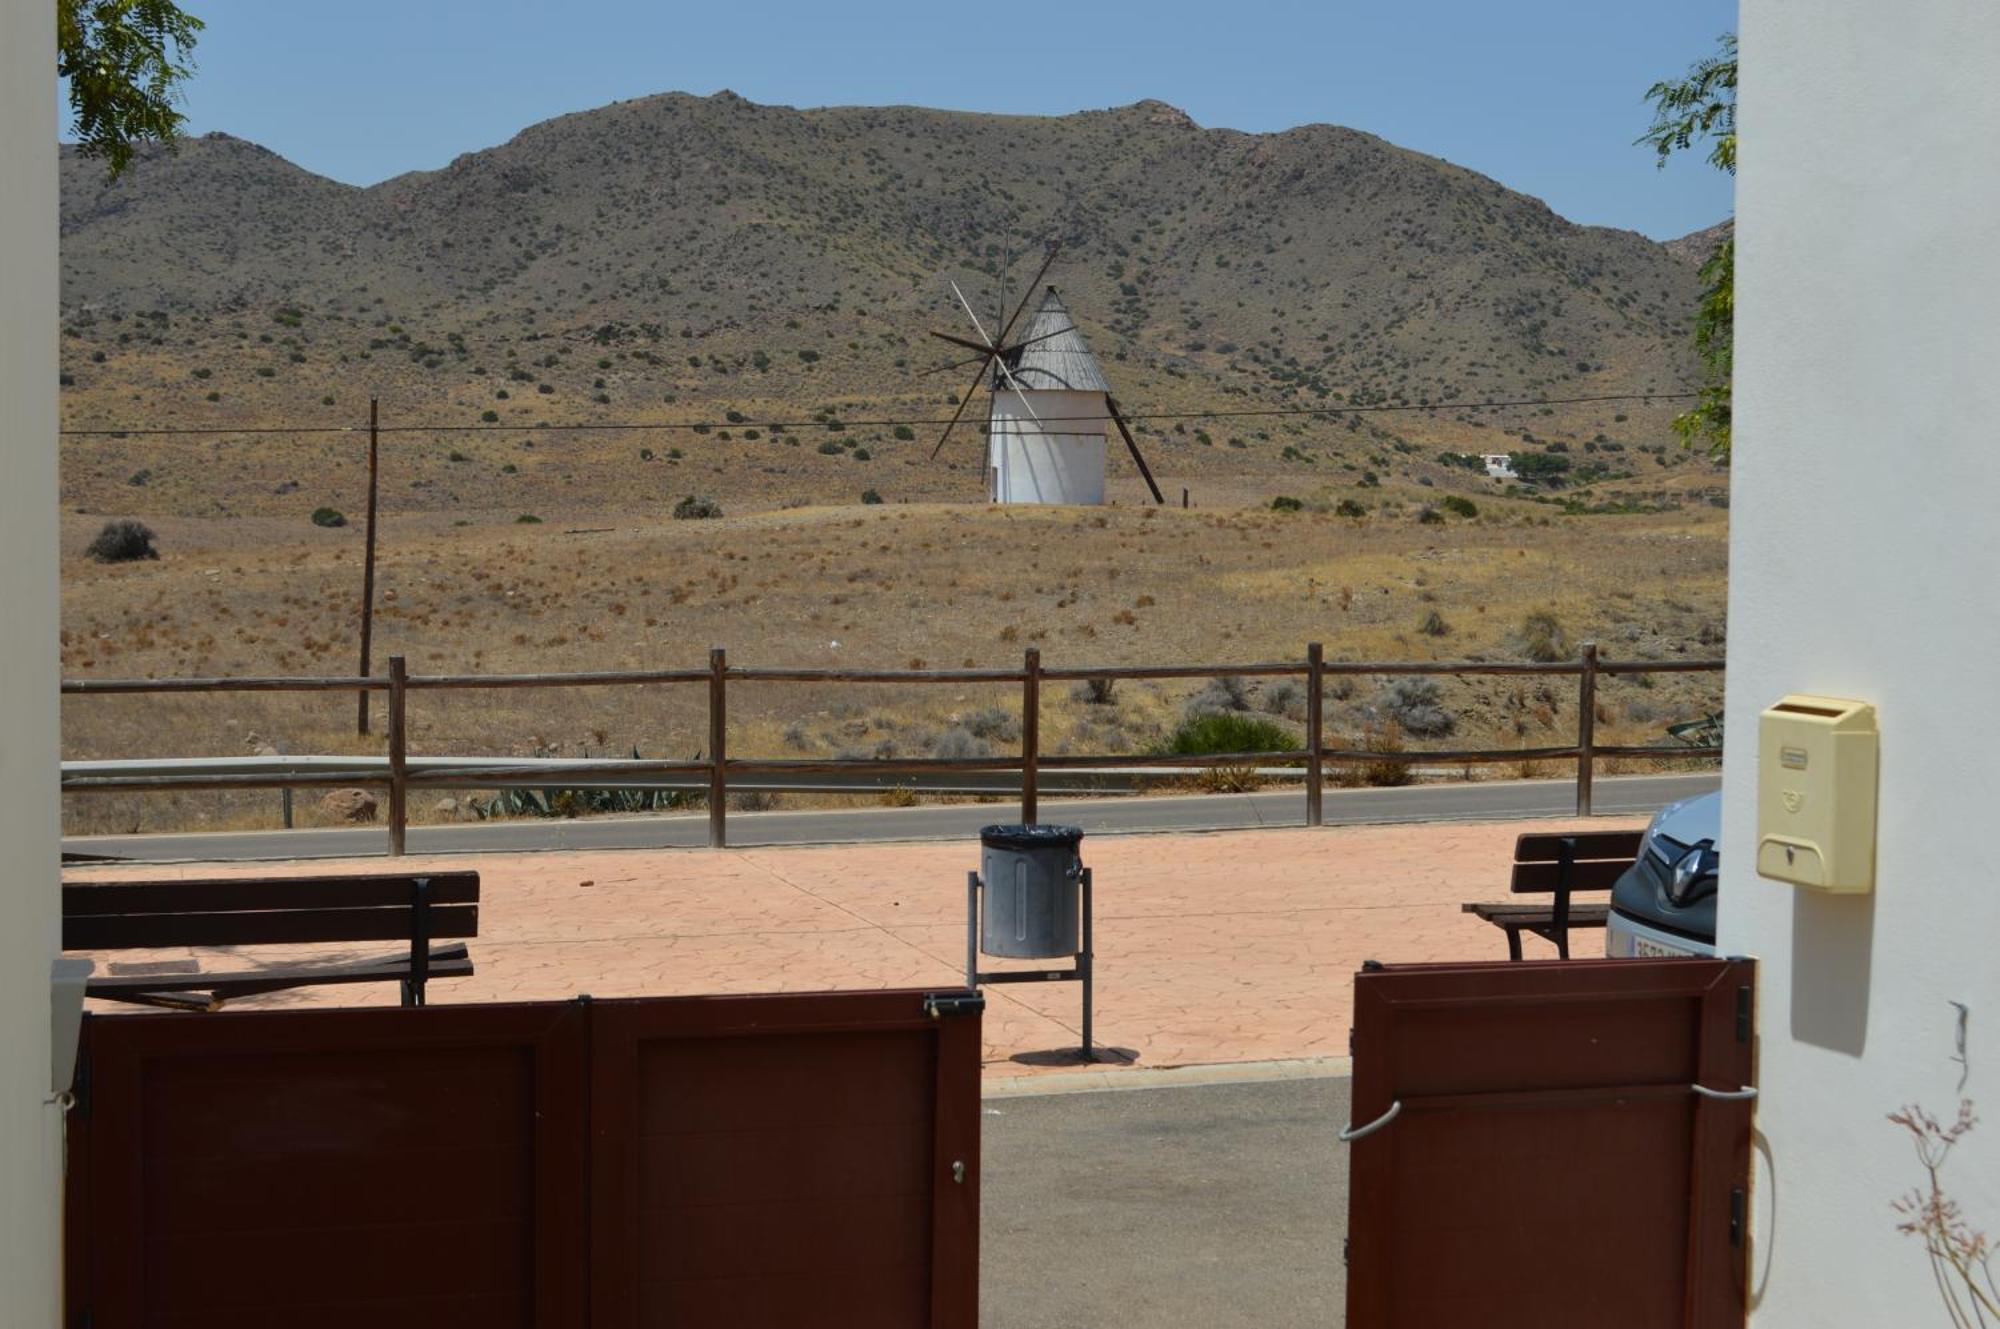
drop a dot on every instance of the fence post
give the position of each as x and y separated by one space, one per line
1031 732
718 748
399 753
285 795
1586 728
1315 739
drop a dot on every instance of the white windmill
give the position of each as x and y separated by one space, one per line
1048 403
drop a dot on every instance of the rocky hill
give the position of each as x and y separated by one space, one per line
679 257
1696 246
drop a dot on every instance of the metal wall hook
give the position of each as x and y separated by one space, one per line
1350 1133
1726 1095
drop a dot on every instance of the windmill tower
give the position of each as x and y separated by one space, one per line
1045 421
1047 408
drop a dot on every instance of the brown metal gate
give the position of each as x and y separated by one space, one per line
784 1161
1554 1144
703 1161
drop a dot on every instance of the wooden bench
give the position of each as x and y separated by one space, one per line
1552 863
234 912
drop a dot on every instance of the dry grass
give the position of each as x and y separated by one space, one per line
881 587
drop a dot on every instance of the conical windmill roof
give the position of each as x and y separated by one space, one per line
1052 363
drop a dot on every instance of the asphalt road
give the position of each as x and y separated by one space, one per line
1498 800
1209 1206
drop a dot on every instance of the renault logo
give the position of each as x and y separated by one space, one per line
1691 867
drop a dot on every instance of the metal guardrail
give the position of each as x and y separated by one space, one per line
611 773
718 772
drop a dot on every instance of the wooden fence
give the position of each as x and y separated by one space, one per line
717 766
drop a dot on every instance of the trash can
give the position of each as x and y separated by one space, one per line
1032 876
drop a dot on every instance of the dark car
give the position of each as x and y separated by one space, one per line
1665 903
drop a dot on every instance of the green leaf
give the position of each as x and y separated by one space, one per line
125 61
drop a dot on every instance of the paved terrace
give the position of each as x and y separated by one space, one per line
1222 947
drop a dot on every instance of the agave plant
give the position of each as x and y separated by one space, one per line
557 801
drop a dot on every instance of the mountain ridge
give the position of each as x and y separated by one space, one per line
688 255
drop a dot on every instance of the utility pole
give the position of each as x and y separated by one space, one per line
368 567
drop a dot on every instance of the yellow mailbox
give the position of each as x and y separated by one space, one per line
1816 760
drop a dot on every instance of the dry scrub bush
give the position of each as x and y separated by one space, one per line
123 541
1543 639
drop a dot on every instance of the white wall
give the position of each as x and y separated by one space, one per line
1041 459
28 815
1865 562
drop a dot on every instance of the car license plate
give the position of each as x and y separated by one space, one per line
1647 948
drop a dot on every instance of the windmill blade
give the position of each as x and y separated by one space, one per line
990 352
1131 444
963 399
955 364
967 342
1007 350
1030 341
1048 261
1000 281
991 345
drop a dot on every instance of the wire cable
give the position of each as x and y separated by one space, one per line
704 426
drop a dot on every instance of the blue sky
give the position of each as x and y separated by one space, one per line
1543 95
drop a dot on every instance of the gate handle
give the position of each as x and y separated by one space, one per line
1726 1095
1350 1133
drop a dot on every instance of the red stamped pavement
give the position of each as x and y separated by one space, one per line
1231 946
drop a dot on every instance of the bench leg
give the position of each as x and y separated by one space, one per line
1565 874
420 942
1513 943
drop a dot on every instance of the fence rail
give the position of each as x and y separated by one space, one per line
718 766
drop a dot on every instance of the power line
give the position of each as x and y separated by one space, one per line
703 426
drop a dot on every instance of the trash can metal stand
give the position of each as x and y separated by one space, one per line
1030 901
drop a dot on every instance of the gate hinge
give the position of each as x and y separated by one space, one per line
937 1005
1346 1251
1743 1013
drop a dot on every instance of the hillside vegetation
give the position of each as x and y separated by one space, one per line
680 259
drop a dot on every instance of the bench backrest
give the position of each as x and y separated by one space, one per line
1600 859
266 911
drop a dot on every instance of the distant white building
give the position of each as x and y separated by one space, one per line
1499 465
1045 426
